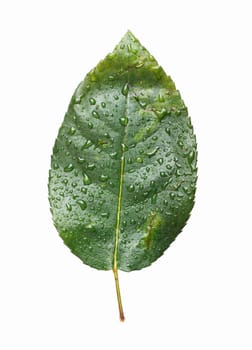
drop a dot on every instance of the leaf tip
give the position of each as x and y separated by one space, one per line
130 36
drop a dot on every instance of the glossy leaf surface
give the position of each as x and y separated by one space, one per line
123 169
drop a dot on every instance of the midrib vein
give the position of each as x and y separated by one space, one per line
119 202
118 217
119 206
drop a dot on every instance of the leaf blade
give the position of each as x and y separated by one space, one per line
126 100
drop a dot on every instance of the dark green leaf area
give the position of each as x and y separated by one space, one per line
124 162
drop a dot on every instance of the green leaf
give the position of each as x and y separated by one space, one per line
123 169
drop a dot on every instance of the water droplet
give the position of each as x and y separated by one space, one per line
92 76
105 215
78 99
153 152
103 104
166 202
90 125
189 124
72 131
111 77
55 166
86 179
139 160
123 121
180 143
131 36
82 204
103 178
69 168
186 189
172 195
65 181
106 134
80 160
68 206
91 166
116 97
193 167
160 161
168 131
92 101
131 188
125 89
163 174
162 113
148 169
91 197
161 98
113 155
154 138
191 156
74 184
95 114
154 199
87 144
152 183
139 64
84 190
129 160
155 68
165 185
131 49
124 147
142 103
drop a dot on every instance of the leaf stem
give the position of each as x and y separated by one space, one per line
118 219
118 293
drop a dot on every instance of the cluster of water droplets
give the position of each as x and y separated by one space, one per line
155 179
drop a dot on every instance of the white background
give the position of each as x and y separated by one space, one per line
198 295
